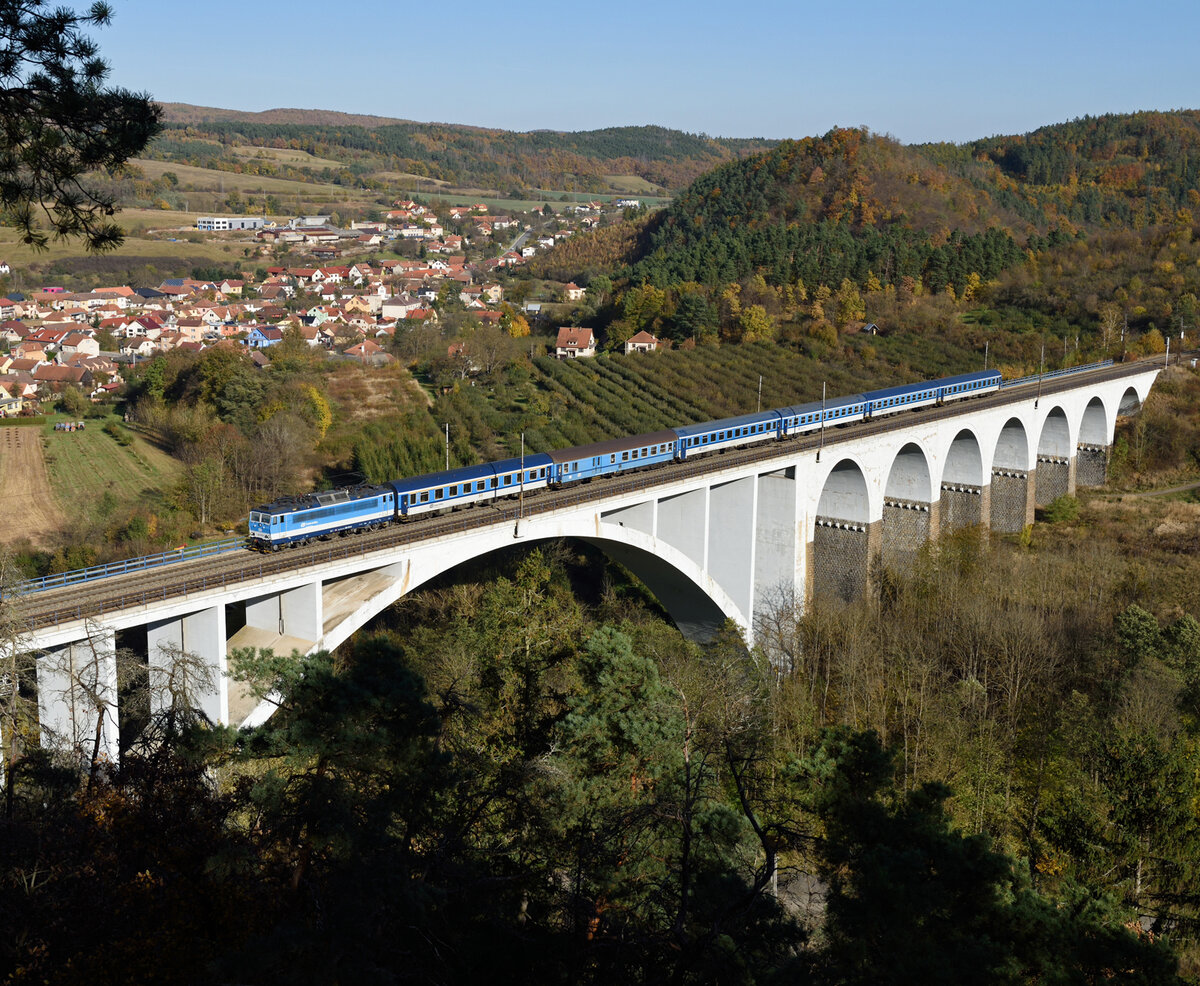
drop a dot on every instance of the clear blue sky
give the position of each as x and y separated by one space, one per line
920 71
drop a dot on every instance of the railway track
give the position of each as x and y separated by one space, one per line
93 599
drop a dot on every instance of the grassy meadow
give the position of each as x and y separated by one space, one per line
85 465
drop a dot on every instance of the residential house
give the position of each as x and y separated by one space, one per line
79 343
12 400
260 337
575 343
574 292
642 342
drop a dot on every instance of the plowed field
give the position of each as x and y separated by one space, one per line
27 506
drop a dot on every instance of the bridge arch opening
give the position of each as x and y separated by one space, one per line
1091 457
1056 435
842 536
1011 507
1053 477
1093 426
909 477
844 496
964 499
1012 447
964 461
696 605
1130 403
908 508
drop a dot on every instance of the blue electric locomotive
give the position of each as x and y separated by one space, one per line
294 520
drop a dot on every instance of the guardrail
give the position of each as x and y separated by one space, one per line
81 575
1024 381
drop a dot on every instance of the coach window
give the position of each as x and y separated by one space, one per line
624 456
437 494
612 458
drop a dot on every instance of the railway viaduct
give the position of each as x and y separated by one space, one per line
724 537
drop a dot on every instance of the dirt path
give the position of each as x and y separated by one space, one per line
27 506
1173 489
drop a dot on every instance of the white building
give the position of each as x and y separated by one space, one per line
216 224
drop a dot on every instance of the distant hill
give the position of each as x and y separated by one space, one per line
372 148
851 204
188 114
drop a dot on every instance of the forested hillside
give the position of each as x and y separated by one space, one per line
817 235
459 155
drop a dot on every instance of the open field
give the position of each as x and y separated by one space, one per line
285 155
633 184
173 258
84 465
404 178
206 179
29 508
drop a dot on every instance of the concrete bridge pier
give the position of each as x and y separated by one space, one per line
1055 478
77 693
1091 467
779 547
965 505
906 527
1012 500
187 663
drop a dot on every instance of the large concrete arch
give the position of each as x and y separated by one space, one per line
1096 427
910 478
845 495
964 460
697 603
1055 439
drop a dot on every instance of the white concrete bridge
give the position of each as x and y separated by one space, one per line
721 538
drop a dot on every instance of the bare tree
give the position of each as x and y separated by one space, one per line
18 711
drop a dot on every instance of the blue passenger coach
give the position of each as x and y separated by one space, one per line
614 456
469 484
712 436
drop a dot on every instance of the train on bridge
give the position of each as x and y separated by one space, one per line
299 520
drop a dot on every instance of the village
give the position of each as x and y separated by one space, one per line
347 300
